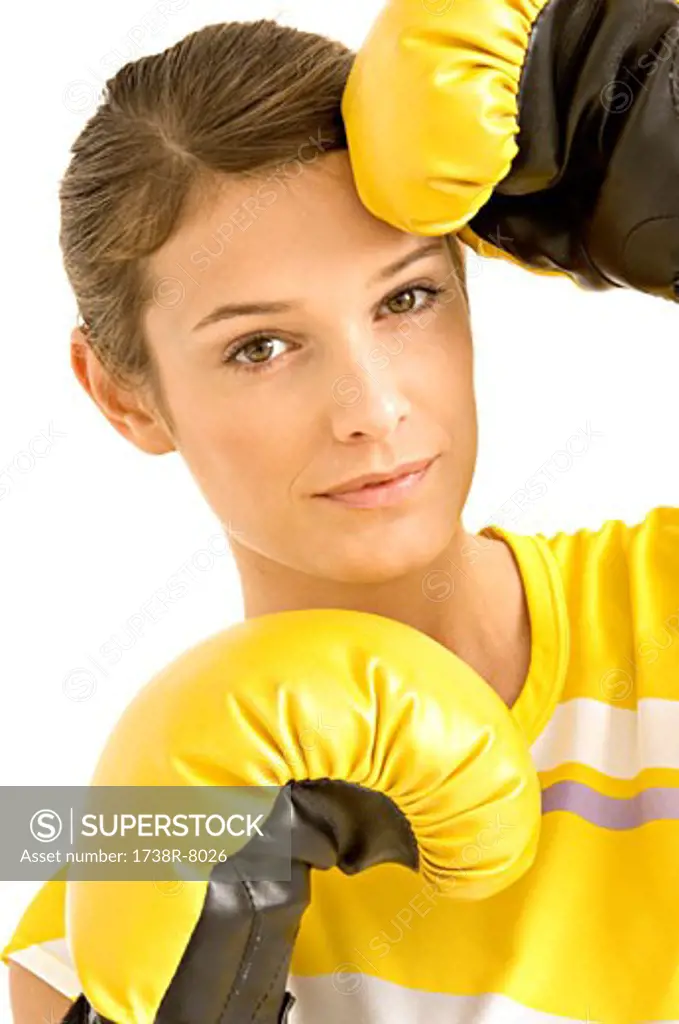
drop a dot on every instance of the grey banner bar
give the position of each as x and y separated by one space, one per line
144 833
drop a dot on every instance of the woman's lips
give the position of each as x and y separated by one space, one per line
383 495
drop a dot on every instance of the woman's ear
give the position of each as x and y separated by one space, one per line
128 410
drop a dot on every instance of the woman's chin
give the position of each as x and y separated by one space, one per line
391 555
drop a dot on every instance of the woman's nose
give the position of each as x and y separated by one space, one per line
367 402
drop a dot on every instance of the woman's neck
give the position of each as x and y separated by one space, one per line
470 599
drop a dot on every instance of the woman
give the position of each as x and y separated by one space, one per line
217 172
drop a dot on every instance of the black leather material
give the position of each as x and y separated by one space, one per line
82 1013
236 963
594 189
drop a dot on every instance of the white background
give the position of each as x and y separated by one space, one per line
91 532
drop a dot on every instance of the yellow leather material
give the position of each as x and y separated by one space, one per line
483 248
43 918
430 108
404 716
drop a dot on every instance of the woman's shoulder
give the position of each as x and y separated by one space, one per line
620 584
650 541
38 942
621 571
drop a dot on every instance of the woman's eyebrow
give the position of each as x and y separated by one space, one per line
428 248
226 311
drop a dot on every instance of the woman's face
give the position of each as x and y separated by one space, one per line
360 370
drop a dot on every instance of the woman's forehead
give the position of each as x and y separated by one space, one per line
273 215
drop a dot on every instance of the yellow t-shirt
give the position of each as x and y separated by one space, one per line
591 932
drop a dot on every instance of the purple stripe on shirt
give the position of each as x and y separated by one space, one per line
654 804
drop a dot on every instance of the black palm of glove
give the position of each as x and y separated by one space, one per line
594 188
243 942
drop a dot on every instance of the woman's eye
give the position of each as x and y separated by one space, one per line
430 293
257 353
259 347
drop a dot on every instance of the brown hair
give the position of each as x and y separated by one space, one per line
232 99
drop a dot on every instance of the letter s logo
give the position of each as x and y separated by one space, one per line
46 826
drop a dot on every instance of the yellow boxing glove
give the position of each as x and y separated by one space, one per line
431 111
418 754
542 131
